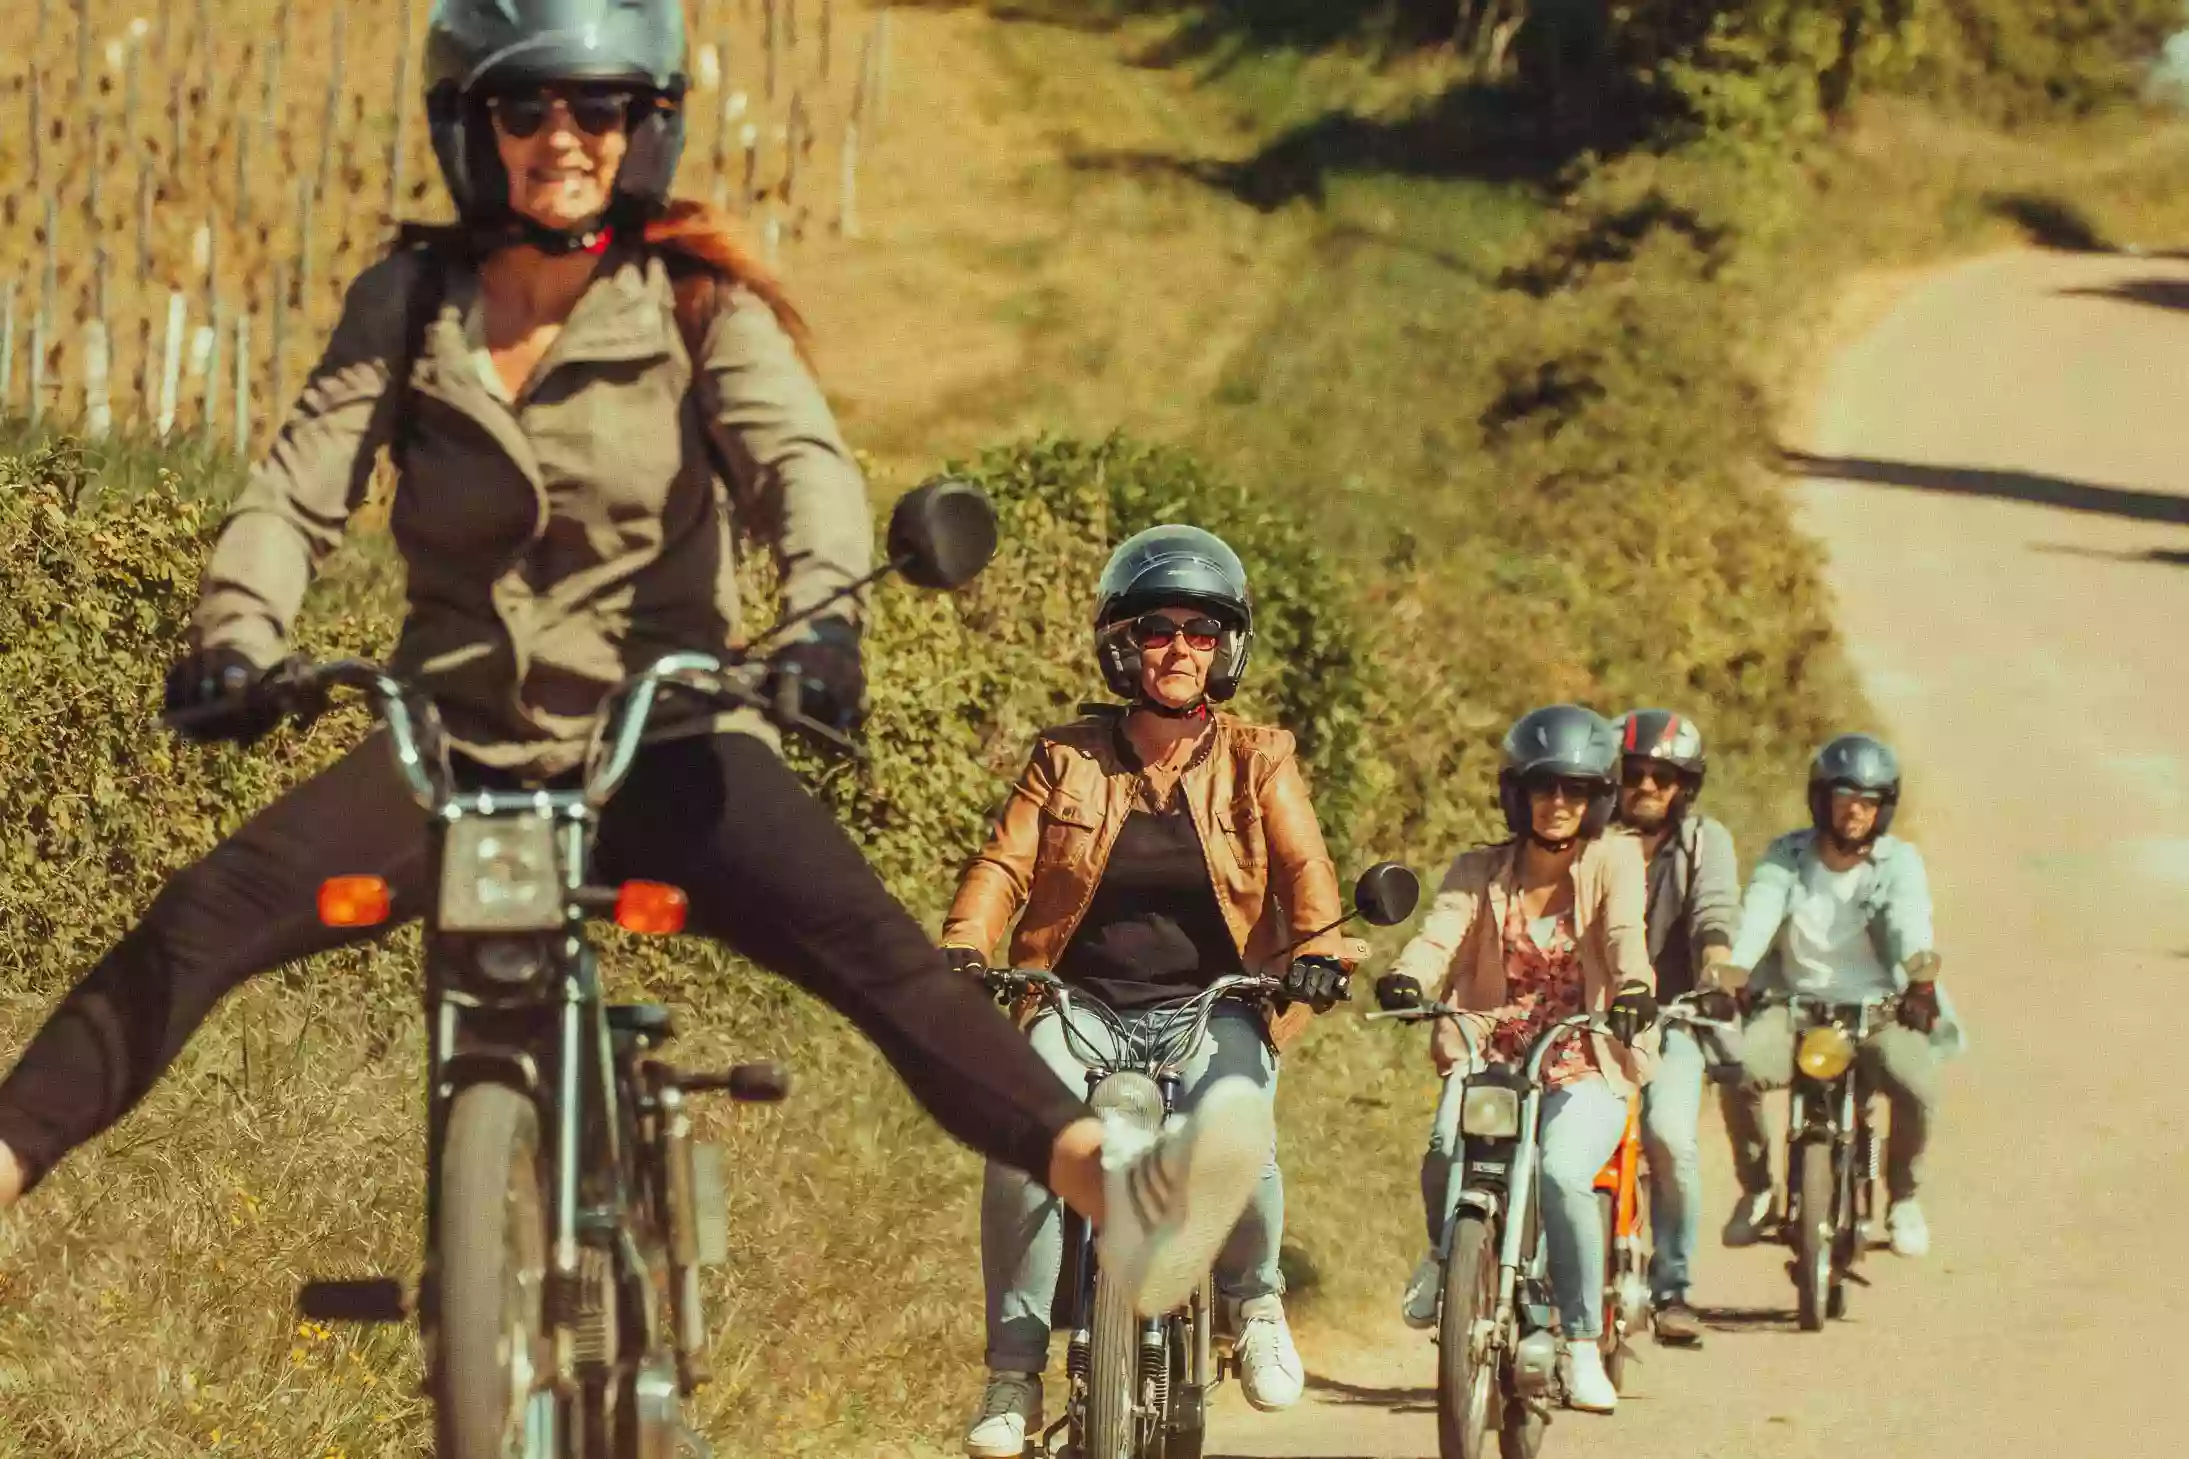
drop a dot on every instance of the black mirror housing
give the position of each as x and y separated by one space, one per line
942 533
1387 894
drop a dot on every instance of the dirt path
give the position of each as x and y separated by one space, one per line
2000 471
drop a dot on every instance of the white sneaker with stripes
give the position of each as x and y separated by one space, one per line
1173 1198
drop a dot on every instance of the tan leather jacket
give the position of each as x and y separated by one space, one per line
557 543
1273 878
1460 951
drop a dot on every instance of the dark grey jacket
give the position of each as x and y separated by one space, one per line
1694 901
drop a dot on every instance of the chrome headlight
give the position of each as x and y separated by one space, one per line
1825 1052
1490 1112
499 874
1133 1097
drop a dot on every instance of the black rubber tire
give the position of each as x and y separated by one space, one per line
1469 1398
1813 1235
1113 1374
491 1252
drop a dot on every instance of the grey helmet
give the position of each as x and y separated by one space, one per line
475 47
1859 762
1173 566
1561 740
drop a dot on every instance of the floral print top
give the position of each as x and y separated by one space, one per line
1542 985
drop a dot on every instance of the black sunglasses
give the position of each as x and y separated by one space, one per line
1572 787
521 114
1156 631
1636 773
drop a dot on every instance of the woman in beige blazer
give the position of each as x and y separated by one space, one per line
1524 933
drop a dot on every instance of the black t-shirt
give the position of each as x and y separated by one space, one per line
1153 932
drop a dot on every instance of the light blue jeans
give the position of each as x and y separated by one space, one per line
1022 1224
1672 1104
1582 1124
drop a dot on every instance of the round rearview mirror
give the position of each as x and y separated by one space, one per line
1386 894
942 533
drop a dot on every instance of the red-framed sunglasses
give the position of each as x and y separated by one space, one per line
1156 631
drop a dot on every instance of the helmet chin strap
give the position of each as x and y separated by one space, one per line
591 236
1199 709
1846 847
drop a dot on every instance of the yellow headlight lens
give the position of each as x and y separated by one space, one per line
1825 1052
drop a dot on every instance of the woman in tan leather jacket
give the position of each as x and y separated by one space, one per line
1526 932
1148 852
589 388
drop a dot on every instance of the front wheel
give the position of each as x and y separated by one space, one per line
1813 1234
490 1253
1113 1374
1469 1395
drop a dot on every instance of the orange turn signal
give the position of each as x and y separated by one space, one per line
353 901
650 908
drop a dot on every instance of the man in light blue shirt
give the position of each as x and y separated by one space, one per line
1842 911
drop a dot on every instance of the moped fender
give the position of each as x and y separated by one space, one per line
513 1067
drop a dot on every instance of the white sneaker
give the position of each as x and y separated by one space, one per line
1172 1199
1905 1227
1419 1306
1009 1410
1588 1386
1269 1365
1745 1227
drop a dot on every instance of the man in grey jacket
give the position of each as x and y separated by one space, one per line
1842 910
1694 903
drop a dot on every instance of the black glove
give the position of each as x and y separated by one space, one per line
1320 982
1632 1011
1919 1007
1397 992
965 960
212 689
820 677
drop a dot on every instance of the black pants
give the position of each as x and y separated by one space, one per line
767 871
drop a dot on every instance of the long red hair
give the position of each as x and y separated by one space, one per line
707 256
696 233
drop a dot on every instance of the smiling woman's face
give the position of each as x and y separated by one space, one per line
561 147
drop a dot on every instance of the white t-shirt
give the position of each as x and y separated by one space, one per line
1827 938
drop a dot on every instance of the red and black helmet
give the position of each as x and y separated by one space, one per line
1668 738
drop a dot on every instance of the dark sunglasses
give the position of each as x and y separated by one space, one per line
521 114
1857 793
1572 787
1635 774
1156 631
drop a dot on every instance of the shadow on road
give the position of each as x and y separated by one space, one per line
1396 1400
1750 1319
2019 486
2168 556
2157 293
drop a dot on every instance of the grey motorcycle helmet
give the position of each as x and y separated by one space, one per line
1858 762
1670 739
1568 741
476 47
1173 566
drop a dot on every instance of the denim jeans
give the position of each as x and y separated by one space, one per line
1582 1124
1898 1062
1022 1224
1672 1105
